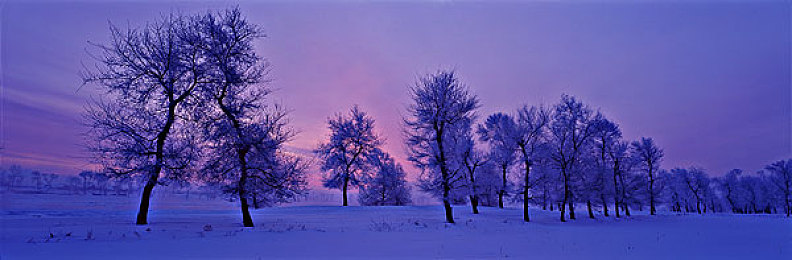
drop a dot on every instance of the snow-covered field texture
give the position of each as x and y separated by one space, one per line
50 226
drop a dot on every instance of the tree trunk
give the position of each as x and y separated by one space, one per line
622 194
526 217
503 188
591 213
651 191
571 205
448 211
382 202
449 214
602 171
698 206
474 194
474 203
447 204
247 221
242 150
344 189
142 217
544 201
562 207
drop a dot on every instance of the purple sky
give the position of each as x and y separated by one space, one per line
710 82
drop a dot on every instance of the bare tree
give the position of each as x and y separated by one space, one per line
244 134
148 73
441 103
275 180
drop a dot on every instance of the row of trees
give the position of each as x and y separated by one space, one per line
692 190
186 100
15 177
564 155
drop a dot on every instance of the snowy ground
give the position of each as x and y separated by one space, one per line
96 227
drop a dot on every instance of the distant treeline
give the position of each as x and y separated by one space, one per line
17 179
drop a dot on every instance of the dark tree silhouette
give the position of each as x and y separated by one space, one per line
244 134
148 74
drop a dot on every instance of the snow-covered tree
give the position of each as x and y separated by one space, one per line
499 131
545 184
728 186
469 159
633 185
388 186
571 130
648 156
351 152
697 184
590 181
750 186
606 137
441 103
622 165
529 137
674 190
487 184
